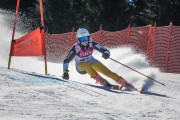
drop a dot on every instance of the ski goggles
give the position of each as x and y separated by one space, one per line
82 39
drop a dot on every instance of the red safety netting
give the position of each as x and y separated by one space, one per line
57 46
139 37
114 39
160 44
174 51
162 37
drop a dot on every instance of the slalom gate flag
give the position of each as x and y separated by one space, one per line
31 44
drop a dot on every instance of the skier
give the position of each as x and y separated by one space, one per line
86 63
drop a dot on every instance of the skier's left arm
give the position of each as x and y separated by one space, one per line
105 52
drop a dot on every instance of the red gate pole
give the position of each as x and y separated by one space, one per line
168 47
13 33
43 35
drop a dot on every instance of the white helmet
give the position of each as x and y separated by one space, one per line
82 32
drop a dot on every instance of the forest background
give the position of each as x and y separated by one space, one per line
114 15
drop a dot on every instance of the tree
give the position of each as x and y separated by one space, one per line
62 15
159 11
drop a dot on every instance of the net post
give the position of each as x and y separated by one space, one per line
168 47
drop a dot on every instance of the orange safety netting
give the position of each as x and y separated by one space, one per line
29 45
160 44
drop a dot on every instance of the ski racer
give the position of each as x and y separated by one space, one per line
86 63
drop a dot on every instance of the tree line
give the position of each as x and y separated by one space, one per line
62 15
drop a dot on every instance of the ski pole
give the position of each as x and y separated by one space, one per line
137 71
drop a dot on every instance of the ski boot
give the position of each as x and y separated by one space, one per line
126 85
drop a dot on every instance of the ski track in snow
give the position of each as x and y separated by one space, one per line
25 96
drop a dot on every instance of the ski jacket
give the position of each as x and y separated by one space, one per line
82 53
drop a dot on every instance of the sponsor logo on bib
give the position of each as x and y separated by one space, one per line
85 54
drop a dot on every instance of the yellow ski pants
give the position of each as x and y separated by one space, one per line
92 69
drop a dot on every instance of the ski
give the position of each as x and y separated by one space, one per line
115 87
130 88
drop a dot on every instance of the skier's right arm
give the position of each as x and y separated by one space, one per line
68 59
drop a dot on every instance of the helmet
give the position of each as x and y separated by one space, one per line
82 32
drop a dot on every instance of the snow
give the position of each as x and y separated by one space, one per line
24 96
27 94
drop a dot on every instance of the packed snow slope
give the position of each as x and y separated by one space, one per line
31 96
27 94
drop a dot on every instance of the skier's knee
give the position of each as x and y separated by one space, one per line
82 72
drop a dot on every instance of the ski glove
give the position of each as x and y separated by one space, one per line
65 75
106 55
